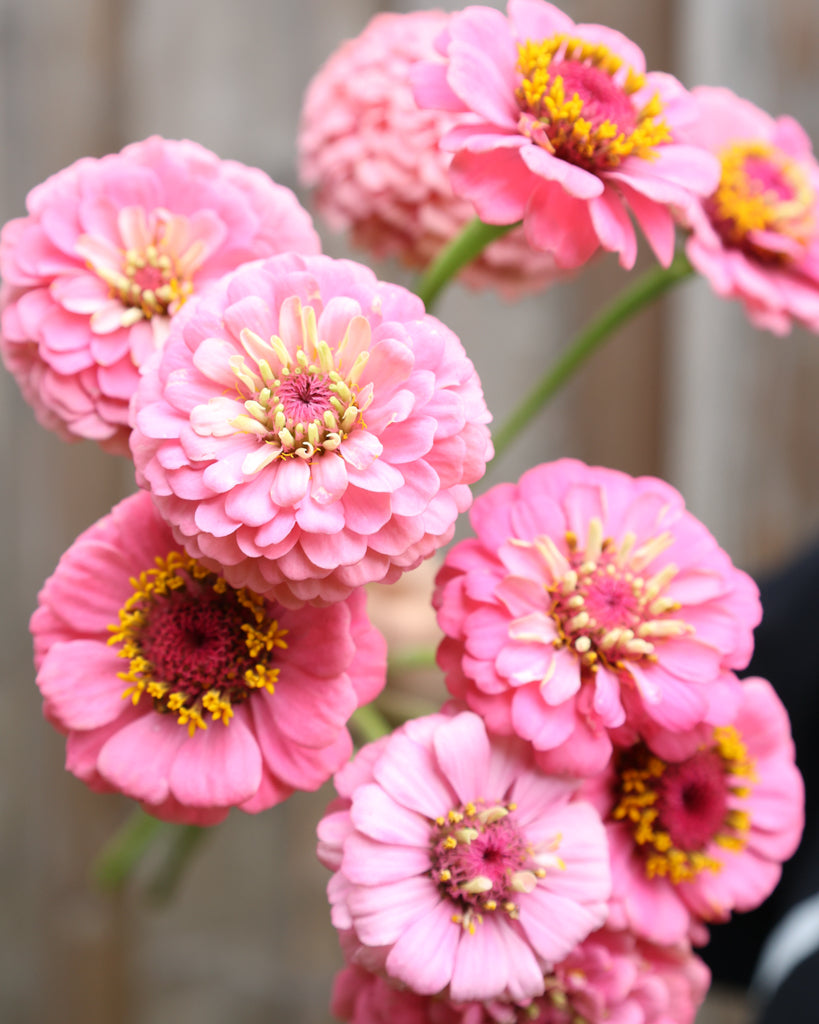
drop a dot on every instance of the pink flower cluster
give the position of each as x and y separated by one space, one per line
597 619
303 429
602 786
595 626
372 158
610 976
564 129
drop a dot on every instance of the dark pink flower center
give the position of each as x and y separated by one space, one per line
765 203
681 813
577 100
603 99
305 402
149 278
481 860
305 397
692 800
195 645
194 639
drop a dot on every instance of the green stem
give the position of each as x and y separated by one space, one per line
461 250
646 288
124 850
185 840
415 657
369 724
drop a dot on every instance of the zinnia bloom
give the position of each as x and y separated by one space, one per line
184 693
372 157
589 601
610 977
461 868
756 238
697 833
568 132
109 252
309 429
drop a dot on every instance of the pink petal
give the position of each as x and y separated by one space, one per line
370 862
79 681
462 749
137 759
409 773
424 955
382 913
217 767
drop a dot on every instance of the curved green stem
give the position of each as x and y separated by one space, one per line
185 840
124 850
646 288
461 250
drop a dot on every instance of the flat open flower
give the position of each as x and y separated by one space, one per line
111 249
569 133
184 693
591 601
756 237
609 978
309 429
460 867
700 832
372 158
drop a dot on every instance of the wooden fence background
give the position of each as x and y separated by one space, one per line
689 391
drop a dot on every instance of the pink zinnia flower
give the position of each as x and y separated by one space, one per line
610 977
310 429
756 238
699 832
372 157
109 252
459 866
184 693
591 601
569 133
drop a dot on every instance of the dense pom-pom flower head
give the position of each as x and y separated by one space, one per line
110 250
188 695
309 429
756 238
459 867
371 156
569 132
611 977
699 825
591 603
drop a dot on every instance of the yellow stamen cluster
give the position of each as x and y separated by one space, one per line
564 129
474 890
166 298
743 203
638 787
273 370
261 637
